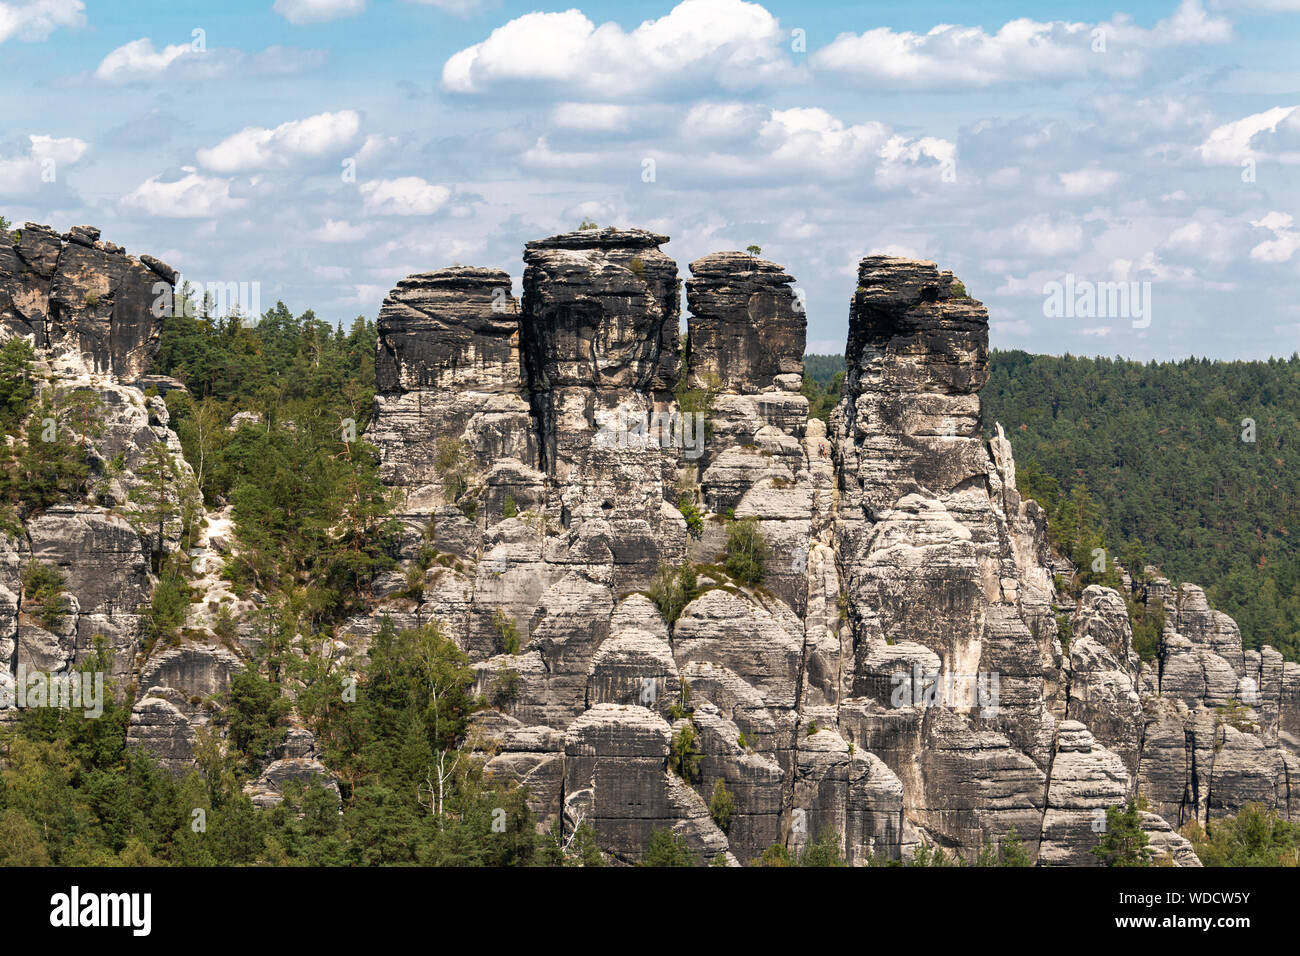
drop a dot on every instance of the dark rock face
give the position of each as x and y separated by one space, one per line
917 358
746 325
82 298
599 325
448 366
448 328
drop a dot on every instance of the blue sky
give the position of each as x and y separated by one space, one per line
327 148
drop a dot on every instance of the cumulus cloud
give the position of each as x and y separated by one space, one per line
336 230
35 20
713 122
193 196
1253 137
1285 241
258 148
405 196
140 62
1046 235
317 11
1022 50
730 44
1088 182
811 138
39 163
589 117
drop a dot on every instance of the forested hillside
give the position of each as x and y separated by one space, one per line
1193 465
1197 462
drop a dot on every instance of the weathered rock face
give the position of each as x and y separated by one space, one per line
747 327
87 308
898 677
83 300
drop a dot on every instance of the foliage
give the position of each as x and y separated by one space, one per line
49 466
667 849
1255 836
43 589
578 849
822 399
167 610
684 754
673 589
932 856
746 551
1124 843
722 805
1162 447
507 631
1148 621
312 518
824 851
253 717
453 460
693 515
774 855
505 687
17 389
1010 851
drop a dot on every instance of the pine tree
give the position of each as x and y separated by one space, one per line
1124 843
157 502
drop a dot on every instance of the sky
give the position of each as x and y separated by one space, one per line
324 149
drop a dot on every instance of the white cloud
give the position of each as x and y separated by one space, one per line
193 196
23 174
1022 50
1231 143
35 20
1285 241
811 138
259 148
1011 327
317 11
728 43
405 196
1045 235
1088 182
336 230
139 62
721 121
590 117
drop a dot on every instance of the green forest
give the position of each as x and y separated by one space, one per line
1194 463
1193 466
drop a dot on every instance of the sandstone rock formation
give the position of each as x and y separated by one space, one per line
83 300
897 678
88 309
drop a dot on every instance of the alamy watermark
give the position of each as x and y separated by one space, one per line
666 429
83 689
1083 299
220 300
935 688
